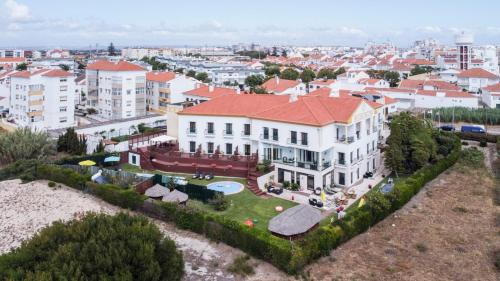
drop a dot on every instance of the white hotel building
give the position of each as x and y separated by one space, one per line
311 140
42 100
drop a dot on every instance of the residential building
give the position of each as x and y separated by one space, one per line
11 62
464 43
163 88
42 100
116 89
476 78
204 93
315 141
280 86
491 95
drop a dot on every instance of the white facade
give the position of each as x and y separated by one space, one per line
442 99
474 84
161 93
42 101
491 96
309 155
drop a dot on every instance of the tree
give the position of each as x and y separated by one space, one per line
272 71
289 74
420 70
378 205
97 247
392 77
202 76
71 143
260 90
307 75
326 73
253 54
64 67
111 49
99 148
24 144
191 73
253 81
22 66
284 53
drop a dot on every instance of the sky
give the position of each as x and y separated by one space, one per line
70 23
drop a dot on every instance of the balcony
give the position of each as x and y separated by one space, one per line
264 137
345 140
35 93
296 142
35 102
35 113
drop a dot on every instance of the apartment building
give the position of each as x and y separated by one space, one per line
163 88
311 140
116 90
476 78
280 86
43 99
491 95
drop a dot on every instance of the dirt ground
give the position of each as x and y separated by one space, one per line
446 232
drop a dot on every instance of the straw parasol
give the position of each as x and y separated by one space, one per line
86 163
175 196
156 191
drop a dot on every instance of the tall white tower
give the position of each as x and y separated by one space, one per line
464 43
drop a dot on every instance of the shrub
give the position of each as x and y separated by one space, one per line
23 169
286 184
241 267
98 247
294 186
62 175
464 143
126 198
219 202
24 144
422 248
483 143
51 184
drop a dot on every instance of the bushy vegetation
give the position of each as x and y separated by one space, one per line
327 73
219 202
71 143
98 247
489 116
241 266
24 144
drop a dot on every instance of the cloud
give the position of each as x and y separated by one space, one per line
17 11
429 29
351 31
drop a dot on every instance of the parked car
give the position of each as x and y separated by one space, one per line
448 128
472 129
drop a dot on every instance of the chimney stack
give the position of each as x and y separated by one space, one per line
211 88
293 97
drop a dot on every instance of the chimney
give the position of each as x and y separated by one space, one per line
293 97
277 79
440 94
334 93
238 90
211 88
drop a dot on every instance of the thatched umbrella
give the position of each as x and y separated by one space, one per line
156 191
176 196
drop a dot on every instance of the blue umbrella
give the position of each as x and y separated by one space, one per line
112 159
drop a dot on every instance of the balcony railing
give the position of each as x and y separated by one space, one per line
343 139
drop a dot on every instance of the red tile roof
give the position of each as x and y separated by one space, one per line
493 88
389 100
477 73
241 105
57 73
204 91
278 85
448 94
323 92
10 60
22 74
112 66
419 84
313 110
322 82
160 76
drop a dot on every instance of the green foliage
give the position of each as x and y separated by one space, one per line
126 198
289 74
61 175
156 65
22 66
23 169
191 73
260 91
51 184
23 144
327 73
411 144
98 247
378 205
253 54
478 137
71 143
254 81
392 77
240 266
272 71
307 75
219 202
99 148
472 157
421 70
64 67
490 116
111 49
203 77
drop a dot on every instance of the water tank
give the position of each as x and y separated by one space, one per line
464 39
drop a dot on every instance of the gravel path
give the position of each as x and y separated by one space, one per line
26 208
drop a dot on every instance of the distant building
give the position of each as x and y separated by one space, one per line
164 88
476 78
464 45
491 95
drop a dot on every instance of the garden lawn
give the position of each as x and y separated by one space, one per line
244 205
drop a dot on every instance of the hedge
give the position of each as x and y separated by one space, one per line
74 160
291 257
478 137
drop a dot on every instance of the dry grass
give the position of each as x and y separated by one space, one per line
446 232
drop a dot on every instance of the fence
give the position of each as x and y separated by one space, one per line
121 178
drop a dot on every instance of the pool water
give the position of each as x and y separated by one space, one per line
227 187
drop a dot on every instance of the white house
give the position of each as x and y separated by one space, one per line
491 95
204 93
449 75
476 78
435 99
42 100
315 141
321 83
116 90
280 86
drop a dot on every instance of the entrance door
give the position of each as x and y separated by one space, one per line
303 182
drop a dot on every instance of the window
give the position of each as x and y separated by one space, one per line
129 92
357 153
63 120
63 109
341 178
192 146
247 149
63 88
275 134
210 147
62 80
293 136
229 128
210 127
134 159
63 98
229 148
266 133
341 158
357 173
304 138
192 127
352 157
246 129
367 148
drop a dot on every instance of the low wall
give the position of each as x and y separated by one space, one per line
262 180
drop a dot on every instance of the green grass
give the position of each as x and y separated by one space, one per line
244 205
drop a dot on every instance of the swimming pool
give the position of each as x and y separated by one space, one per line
227 187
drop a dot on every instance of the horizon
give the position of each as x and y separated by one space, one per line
29 23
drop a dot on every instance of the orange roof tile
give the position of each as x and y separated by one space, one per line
112 66
57 73
241 105
8 60
22 74
448 94
205 91
278 85
160 76
493 88
477 73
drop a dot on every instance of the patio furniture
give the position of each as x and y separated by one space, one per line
197 175
317 191
279 209
209 176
